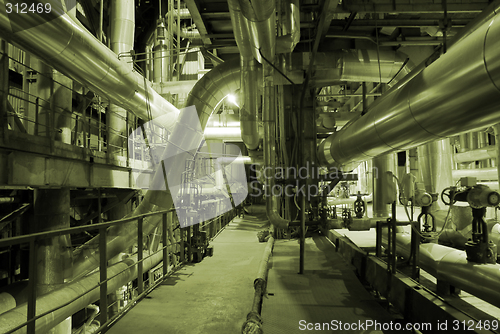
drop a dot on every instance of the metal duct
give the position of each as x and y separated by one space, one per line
72 50
122 43
269 120
291 28
161 55
481 174
249 80
223 133
458 92
489 152
261 21
58 298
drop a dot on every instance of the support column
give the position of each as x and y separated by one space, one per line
381 165
51 212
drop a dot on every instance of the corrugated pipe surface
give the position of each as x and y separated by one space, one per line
72 50
458 92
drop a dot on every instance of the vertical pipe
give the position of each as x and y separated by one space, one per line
381 165
63 109
435 161
101 14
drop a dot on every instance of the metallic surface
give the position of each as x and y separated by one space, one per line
481 174
269 120
451 265
260 18
487 152
72 50
438 102
249 113
121 273
435 164
122 43
381 165
291 28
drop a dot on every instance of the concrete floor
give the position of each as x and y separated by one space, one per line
213 296
327 291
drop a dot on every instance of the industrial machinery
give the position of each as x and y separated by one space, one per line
479 248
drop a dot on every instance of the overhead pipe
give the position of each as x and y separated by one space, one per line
121 273
482 174
488 152
260 17
291 28
438 102
249 80
72 50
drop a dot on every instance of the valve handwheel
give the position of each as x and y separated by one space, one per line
447 196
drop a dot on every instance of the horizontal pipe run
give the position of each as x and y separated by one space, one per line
451 265
488 152
125 272
438 102
481 174
72 50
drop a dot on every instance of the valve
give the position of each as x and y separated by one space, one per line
479 248
359 206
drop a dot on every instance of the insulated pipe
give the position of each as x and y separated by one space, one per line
451 265
260 17
291 28
122 43
482 174
488 152
72 50
439 102
249 77
58 298
269 120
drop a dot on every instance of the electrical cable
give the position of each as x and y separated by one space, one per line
275 68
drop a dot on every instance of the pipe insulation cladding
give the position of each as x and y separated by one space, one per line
71 49
458 92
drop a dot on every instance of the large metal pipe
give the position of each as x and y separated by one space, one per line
122 26
481 174
451 265
262 26
88 285
72 50
439 102
223 133
291 28
488 152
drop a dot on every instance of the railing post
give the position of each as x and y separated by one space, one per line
182 245
140 278
32 287
165 247
103 276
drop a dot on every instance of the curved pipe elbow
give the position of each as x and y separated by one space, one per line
276 220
